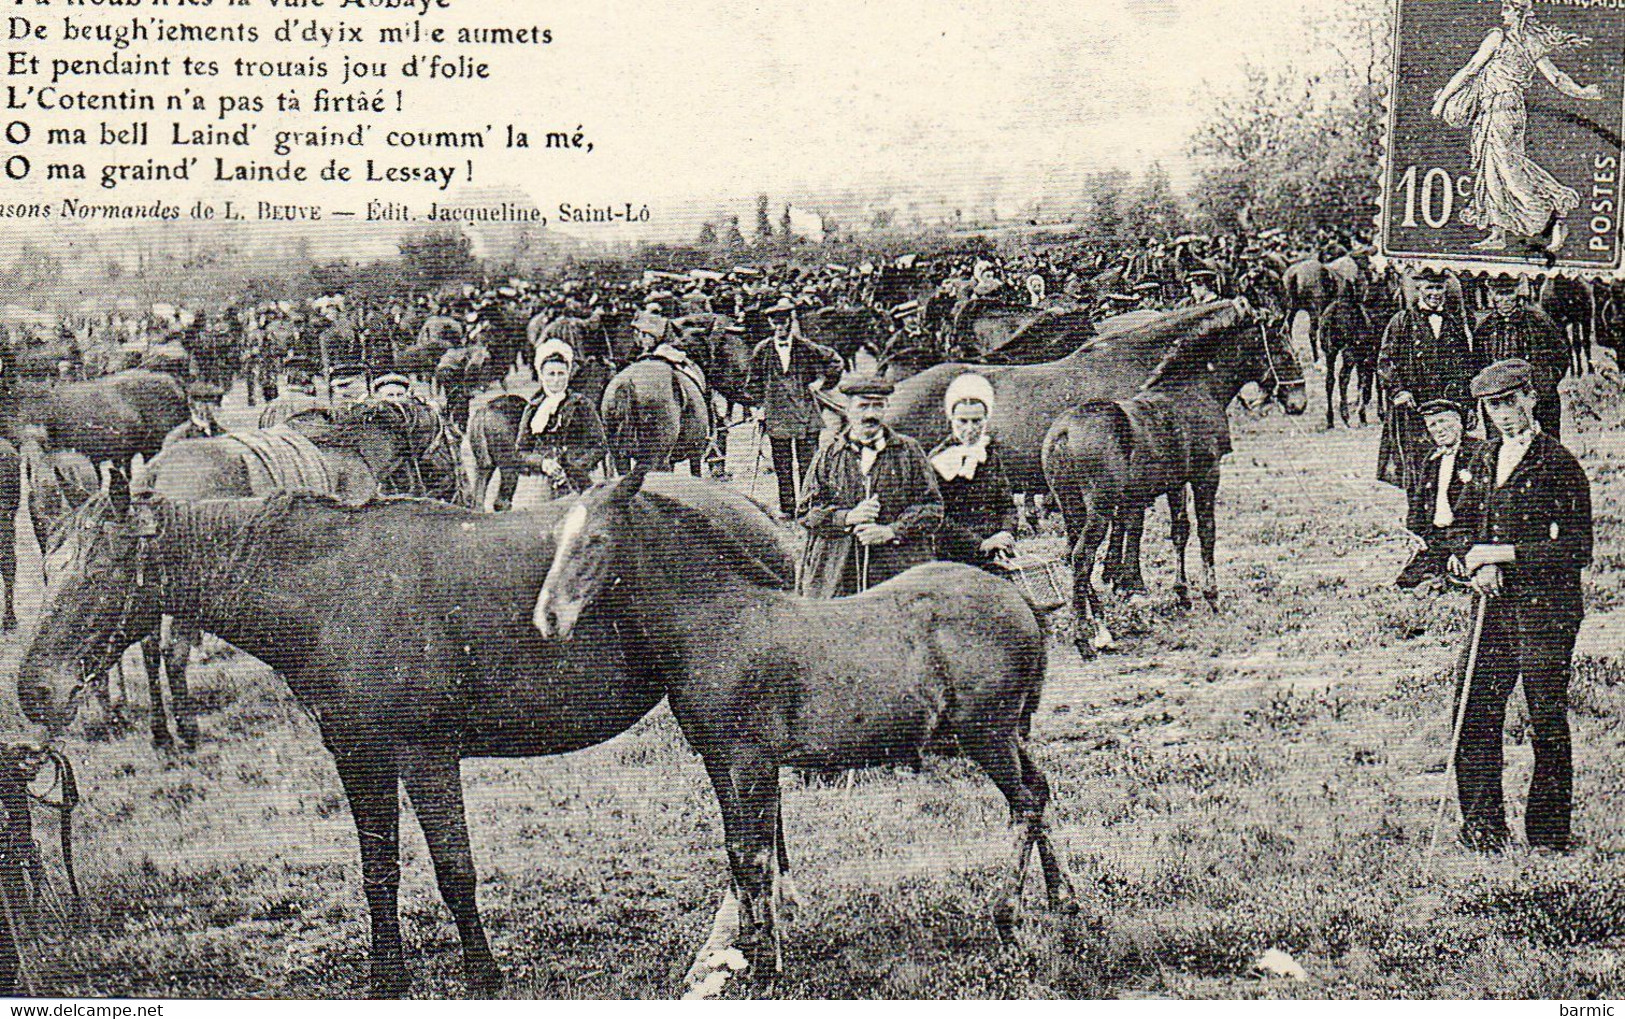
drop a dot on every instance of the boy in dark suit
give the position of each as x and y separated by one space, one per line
1440 512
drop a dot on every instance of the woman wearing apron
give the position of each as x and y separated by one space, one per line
561 438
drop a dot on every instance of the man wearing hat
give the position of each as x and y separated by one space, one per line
203 401
785 370
870 502
1441 513
1425 355
1534 537
392 386
1513 328
1202 287
347 383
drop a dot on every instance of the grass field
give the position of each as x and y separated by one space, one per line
1260 777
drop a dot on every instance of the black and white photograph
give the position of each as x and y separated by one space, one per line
713 500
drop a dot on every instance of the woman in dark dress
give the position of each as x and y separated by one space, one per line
561 438
979 518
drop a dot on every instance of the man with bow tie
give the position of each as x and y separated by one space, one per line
1441 513
1425 355
1534 537
785 370
870 502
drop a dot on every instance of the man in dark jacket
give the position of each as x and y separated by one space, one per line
1534 538
870 501
203 401
1425 355
1515 329
1441 512
785 370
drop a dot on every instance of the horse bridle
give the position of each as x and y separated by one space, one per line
1272 369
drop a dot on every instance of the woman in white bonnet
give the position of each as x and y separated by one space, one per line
979 514
561 438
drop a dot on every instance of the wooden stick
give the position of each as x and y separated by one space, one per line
1481 607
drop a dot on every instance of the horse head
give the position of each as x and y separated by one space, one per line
586 539
104 596
1235 340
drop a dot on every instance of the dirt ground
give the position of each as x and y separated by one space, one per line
1263 776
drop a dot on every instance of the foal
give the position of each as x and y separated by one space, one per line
761 679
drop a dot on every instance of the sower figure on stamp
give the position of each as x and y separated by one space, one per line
870 502
1442 512
1425 355
1515 329
1534 538
785 370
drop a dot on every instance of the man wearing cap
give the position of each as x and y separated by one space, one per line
870 502
203 401
785 370
1513 328
347 383
392 386
1441 513
1425 355
1534 537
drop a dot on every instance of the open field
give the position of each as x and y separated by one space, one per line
1260 777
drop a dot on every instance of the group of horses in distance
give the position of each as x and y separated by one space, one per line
420 633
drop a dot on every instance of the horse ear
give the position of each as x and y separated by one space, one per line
117 486
628 485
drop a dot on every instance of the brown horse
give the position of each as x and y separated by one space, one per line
1107 461
108 419
1572 304
760 679
403 627
1111 366
656 415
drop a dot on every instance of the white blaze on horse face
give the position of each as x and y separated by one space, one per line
569 534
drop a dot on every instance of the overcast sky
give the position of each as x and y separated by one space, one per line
695 106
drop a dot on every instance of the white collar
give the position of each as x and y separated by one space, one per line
961 459
545 410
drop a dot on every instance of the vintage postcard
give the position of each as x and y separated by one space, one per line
721 500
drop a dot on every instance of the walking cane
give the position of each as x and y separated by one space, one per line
756 466
863 550
1480 608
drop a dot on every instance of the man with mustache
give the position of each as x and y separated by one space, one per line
870 501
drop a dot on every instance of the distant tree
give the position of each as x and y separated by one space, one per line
732 237
882 219
784 225
437 258
1155 210
708 235
764 226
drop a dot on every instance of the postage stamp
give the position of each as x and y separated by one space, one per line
1503 143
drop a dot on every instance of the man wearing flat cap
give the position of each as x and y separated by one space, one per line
1425 355
1534 537
1442 513
870 501
786 369
203 401
1513 328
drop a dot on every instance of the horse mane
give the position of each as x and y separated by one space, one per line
727 550
1198 328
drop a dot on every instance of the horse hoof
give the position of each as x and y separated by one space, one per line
485 983
1004 921
1183 600
1086 650
190 737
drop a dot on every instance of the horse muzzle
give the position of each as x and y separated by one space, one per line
555 617
43 703
1295 398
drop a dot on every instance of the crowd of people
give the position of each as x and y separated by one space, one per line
1507 514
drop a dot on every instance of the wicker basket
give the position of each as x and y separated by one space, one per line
1047 583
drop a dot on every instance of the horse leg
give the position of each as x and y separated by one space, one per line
1086 605
1134 530
1205 494
1179 532
434 783
370 781
1062 896
997 754
748 791
786 896
183 637
1346 381
152 654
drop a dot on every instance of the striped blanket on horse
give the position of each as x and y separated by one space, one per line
281 458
